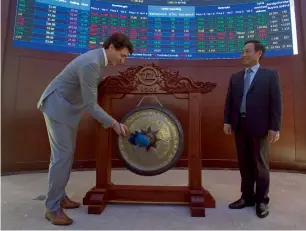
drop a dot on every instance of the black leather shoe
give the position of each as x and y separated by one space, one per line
262 210
241 203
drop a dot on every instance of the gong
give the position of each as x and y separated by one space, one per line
164 133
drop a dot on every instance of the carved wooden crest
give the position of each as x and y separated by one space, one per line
153 79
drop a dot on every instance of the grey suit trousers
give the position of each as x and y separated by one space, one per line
62 142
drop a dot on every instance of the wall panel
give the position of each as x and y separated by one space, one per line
26 73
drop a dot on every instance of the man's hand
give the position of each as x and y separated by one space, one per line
273 136
227 129
120 129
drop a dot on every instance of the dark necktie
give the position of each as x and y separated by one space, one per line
247 83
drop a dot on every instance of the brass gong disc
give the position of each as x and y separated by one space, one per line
168 145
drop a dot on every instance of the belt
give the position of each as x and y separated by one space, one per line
242 114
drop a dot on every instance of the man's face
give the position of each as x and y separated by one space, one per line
117 56
249 56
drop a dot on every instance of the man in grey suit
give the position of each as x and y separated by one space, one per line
253 111
73 91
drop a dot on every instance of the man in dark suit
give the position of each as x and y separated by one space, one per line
253 112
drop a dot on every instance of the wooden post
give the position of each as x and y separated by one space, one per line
196 194
96 197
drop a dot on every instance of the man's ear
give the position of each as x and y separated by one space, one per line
259 53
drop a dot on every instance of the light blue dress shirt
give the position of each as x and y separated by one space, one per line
253 73
251 78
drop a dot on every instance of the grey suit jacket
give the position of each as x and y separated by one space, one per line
75 89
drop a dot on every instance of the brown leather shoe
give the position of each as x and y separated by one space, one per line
66 203
58 218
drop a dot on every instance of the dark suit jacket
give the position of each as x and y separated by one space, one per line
263 102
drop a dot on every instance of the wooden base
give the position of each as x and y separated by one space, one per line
97 199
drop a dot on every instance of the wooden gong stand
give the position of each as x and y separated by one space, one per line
150 79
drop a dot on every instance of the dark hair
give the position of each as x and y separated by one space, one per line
258 46
119 41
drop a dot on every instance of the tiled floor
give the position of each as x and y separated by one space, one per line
19 210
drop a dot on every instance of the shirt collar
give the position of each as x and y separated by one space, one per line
254 68
105 57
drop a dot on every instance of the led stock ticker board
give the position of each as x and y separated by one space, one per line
158 29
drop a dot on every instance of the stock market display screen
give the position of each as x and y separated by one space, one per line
159 29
